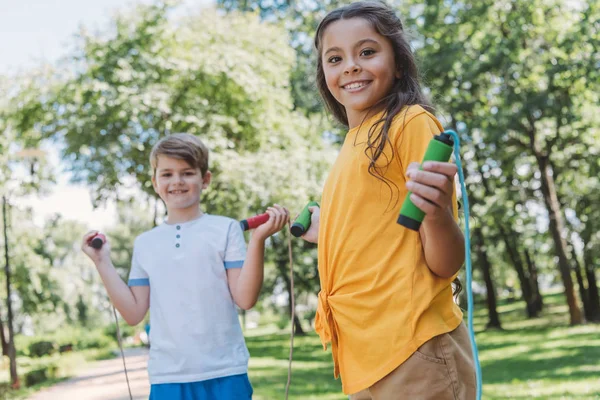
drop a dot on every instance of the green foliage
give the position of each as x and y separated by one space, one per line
93 340
126 331
40 375
43 348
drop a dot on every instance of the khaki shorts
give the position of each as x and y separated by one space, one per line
441 369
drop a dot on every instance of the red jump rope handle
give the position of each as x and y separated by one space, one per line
254 222
97 241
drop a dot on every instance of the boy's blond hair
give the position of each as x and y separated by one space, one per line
182 146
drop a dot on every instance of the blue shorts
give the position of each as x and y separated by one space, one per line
235 387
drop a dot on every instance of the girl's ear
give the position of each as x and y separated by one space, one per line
398 74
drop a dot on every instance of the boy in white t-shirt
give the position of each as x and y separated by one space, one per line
191 272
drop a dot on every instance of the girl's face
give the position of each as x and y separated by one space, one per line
179 184
359 66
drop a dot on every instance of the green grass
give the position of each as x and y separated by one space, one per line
541 358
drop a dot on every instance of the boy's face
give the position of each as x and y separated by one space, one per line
179 184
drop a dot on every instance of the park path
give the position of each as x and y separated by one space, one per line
104 380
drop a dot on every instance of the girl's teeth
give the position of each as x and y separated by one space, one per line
355 85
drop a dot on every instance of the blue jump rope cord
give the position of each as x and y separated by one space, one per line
468 260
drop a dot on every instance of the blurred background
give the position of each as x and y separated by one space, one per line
86 89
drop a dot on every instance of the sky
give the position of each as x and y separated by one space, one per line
40 31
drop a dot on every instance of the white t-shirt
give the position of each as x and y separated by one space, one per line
195 333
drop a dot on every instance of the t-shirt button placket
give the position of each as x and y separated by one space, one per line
178 236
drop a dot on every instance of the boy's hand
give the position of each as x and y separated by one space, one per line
96 255
432 187
278 217
312 234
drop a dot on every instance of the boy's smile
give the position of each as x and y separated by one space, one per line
180 186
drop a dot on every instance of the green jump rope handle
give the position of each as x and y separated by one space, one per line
302 223
439 149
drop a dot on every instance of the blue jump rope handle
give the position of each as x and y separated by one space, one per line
468 265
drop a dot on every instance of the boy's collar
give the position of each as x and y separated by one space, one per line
202 214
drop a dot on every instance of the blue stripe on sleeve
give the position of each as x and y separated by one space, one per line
234 264
139 282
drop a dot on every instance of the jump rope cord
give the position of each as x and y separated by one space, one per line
468 261
119 339
289 379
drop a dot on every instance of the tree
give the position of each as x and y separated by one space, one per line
19 113
518 72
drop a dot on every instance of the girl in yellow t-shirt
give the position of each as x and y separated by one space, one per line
386 303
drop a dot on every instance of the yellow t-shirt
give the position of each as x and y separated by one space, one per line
379 301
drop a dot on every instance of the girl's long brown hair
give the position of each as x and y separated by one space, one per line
405 91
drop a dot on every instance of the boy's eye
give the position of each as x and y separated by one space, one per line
166 174
190 173
334 59
367 52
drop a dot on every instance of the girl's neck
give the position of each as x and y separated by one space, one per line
180 216
357 118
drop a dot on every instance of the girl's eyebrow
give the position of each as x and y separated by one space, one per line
358 44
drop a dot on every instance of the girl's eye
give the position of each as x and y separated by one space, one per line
334 59
166 175
367 52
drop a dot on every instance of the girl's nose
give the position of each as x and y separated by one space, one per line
352 67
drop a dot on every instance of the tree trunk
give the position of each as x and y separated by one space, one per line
486 267
283 269
524 279
583 292
3 340
593 297
14 377
513 253
533 279
556 228
298 331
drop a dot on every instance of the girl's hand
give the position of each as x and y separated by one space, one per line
432 187
312 234
96 255
278 217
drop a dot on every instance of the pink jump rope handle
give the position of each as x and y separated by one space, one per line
253 222
97 241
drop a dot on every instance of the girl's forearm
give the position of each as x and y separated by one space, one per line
444 246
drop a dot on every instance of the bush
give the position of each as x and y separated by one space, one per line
93 340
126 331
40 375
283 321
41 348
65 348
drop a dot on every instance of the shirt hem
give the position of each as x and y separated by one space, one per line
199 377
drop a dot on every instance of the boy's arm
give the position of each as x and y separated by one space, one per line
133 302
245 283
